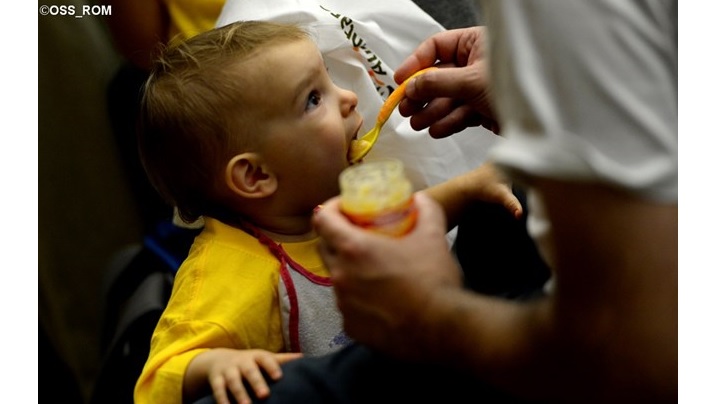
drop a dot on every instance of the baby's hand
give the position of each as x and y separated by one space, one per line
228 368
486 183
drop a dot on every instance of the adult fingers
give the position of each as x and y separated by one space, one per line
455 121
463 83
424 115
441 47
443 118
337 233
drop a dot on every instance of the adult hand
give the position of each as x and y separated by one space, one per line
450 99
384 285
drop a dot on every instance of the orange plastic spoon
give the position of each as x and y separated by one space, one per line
360 147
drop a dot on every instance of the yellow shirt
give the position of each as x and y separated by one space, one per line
225 294
191 17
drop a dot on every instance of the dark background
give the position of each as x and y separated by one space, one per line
86 212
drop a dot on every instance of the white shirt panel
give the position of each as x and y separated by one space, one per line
587 90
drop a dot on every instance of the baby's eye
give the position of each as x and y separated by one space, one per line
313 100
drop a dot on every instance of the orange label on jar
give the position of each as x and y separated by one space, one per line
395 222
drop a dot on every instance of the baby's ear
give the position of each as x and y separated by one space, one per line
247 176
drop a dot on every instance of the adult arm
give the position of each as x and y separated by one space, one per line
608 331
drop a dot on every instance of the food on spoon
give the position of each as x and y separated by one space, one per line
356 148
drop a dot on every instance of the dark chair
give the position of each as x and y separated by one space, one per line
138 285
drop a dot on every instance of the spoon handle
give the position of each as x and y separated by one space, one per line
395 98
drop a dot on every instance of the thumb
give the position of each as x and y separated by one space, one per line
429 210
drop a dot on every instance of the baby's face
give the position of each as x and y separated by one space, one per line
309 121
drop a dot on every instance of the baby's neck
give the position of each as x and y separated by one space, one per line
289 237
283 229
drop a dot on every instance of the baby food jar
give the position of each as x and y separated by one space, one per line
378 196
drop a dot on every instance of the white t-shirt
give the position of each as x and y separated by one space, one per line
587 90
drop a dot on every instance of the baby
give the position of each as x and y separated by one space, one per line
243 126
